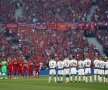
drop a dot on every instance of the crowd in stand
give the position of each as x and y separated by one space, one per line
53 10
101 12
41 44
56 10
7 11
102 36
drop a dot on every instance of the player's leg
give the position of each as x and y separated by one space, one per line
75 73
10 73
79 75
106 75
4 70
25 74
54 72
86 75
61 77
19 74
67 75
0 73
95 75
34 74
103 75
71 76
31 74
58 79
38 73
83 75
90 74
14 77
50 73
99 74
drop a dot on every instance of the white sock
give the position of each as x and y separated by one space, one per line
75 78
95 77
71 78
98 77
83 78
49 79
55 79
79 78
61 78
58 78
90 78
67 79
86 79
104 78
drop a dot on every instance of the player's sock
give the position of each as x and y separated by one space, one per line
95 77
49 79
55 78
98 77
86 78
90 78
71 78
79 78
67 78
104 78
75 77
58 78
83 78
61 78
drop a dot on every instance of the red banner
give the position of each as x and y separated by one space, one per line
55 26
51 26
25 26
11 26
62 26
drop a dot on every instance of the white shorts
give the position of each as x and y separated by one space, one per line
87 71
96 71
81 72
101 72
66 70
73 71
106 72
52 72
60 72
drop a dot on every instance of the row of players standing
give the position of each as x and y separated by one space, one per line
70 67
20 68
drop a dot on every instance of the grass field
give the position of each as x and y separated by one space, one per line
42 84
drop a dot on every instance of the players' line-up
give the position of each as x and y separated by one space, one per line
69 68
13 69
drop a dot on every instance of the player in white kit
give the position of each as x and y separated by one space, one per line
60 67
101 71
73 64
81 70
66 68
52 67
96 64
106 70
87 64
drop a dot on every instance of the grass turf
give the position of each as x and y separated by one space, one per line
42 84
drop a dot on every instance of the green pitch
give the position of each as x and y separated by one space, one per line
42 84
